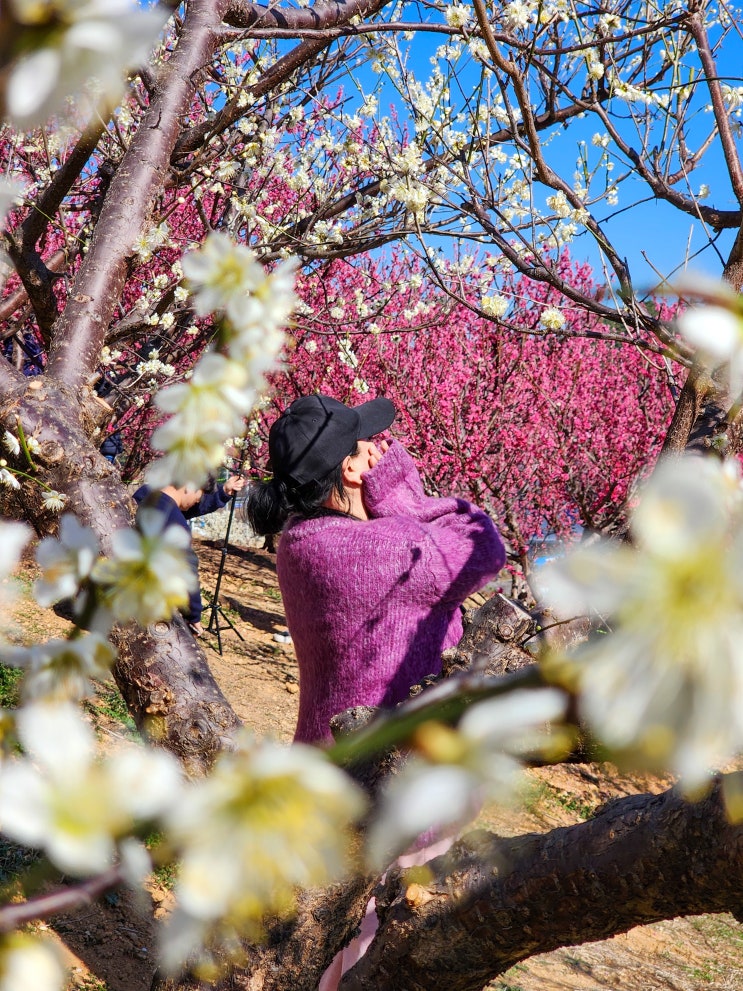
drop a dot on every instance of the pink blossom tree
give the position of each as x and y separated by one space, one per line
546 427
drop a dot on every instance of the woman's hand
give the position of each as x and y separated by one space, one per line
377 452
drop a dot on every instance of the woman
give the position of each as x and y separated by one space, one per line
372 571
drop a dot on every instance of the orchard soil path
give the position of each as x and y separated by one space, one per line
110 946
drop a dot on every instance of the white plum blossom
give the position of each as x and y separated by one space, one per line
59 796
596 69
715 329
225 278
267 820
518 14
456 770
28 963
53 501
61 670
458 15
559 204
221 275
80 40
10 442
13 539
552 318
257 340
666 684
11 194
206 410
148 575
65 562
7 477
494 306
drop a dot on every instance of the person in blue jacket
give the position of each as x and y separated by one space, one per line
181 505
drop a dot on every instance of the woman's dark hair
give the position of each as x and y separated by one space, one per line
270 504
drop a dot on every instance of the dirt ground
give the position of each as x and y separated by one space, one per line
110 946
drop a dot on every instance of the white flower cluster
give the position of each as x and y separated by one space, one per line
454 771
518 14
60 796
552 318
228 279
267 820
458 15
665 686
494 306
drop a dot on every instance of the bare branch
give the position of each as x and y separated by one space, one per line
17 914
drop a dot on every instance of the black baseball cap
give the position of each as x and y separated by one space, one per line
315 433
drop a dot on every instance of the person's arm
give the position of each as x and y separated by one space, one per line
458 546
192 615
393 487
218 497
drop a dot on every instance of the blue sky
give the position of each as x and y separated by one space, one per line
653 236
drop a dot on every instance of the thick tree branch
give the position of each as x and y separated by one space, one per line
493 902
81 329
722 115
322 15
330 14
43 210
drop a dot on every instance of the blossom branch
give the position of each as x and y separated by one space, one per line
277 73
63 900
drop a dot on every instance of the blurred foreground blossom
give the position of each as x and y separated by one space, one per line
61 670
665 685
457 769
60 797
148 575
11 194
267 820
65 562
13 538
222 276
716 326
206 410
30 964
65 44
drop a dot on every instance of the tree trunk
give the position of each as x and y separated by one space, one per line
162 672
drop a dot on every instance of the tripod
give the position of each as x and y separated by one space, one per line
216 612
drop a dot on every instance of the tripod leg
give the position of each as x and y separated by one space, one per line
214 626
229 623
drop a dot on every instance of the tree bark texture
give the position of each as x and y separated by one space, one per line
81 330
493 902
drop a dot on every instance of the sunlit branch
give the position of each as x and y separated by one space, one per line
17 914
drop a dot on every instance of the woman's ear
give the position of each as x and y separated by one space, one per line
351 471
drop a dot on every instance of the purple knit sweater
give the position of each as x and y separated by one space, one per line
371 604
